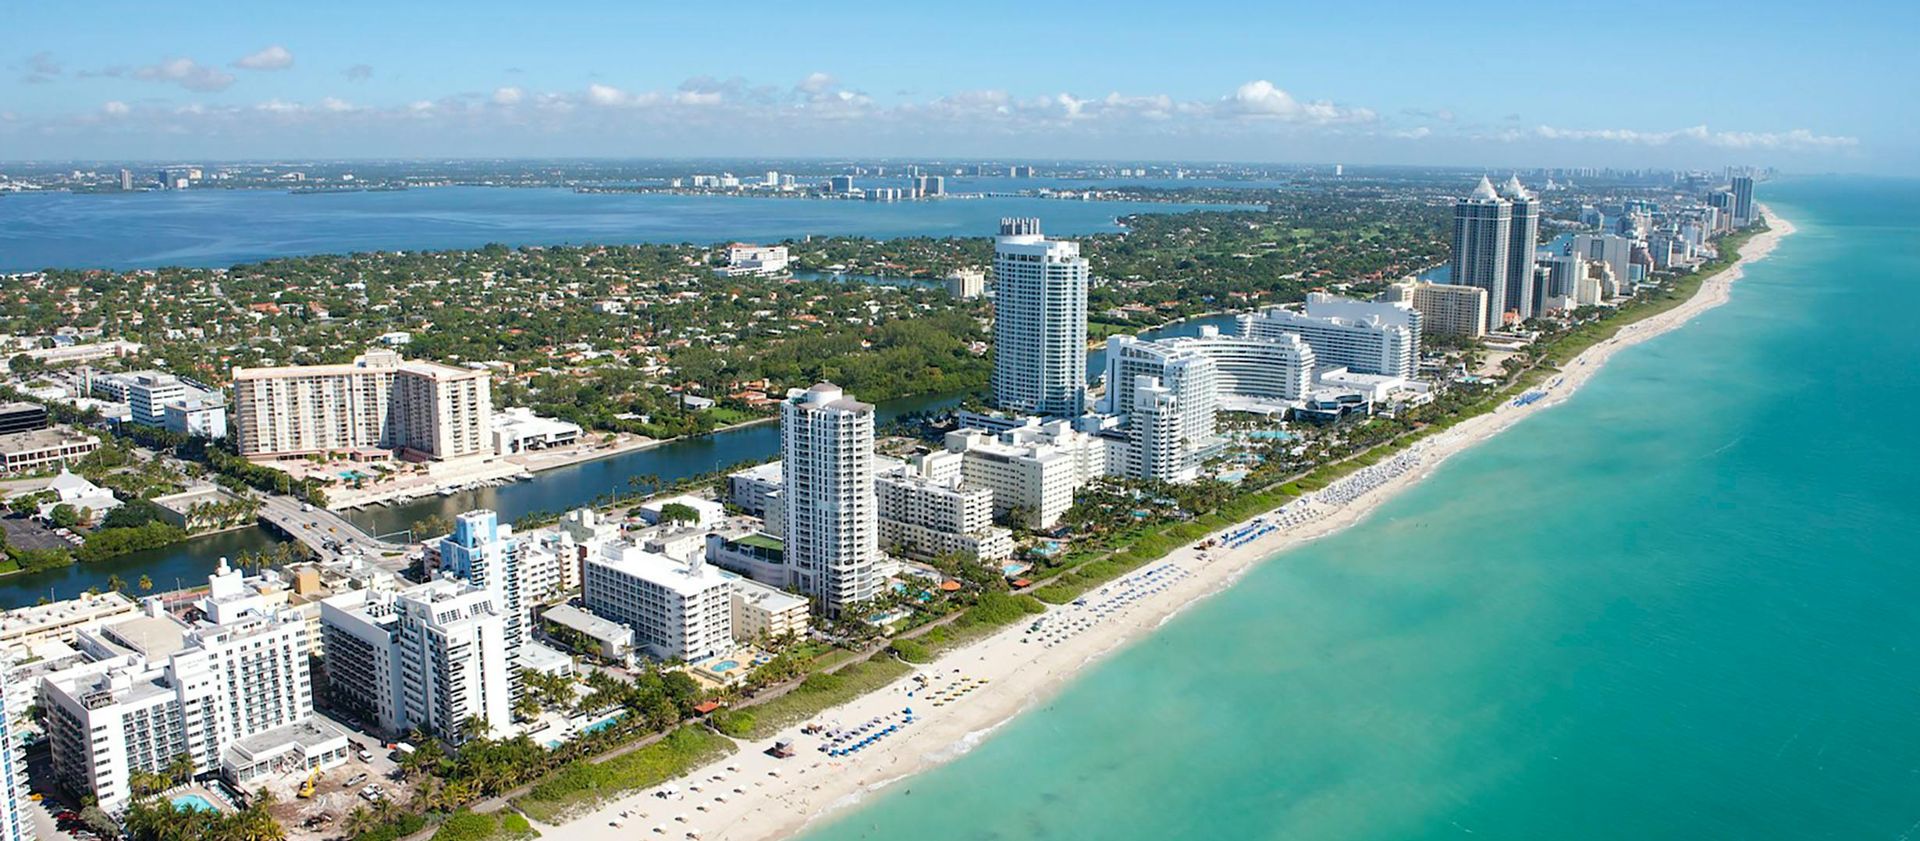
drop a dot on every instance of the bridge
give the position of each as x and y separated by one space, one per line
330 535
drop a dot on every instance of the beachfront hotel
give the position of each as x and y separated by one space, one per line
831 516
1169 394
1742 189
1033 468
376 401
1450 310
1039 322
428 657
1482 237
1365 337
677 610
927 510
230 690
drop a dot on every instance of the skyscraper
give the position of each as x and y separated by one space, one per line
14 825
832 524
1039 322
1742 200
1482 231
487 555
1522 236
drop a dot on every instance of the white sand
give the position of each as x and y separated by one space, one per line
769 798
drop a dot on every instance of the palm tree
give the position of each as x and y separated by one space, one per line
360 821
116 583
146 583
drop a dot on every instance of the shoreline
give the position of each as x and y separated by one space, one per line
753 796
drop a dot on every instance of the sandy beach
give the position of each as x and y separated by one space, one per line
959 700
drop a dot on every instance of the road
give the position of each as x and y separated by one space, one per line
317 528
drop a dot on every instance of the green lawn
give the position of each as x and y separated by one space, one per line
581 786
822 690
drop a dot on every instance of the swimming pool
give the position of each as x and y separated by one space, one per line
724 667
193 803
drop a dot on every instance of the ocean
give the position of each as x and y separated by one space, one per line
1682 605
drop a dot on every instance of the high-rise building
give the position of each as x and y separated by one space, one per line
1365 337
1157 449
487 554
1168 431
1451 310
1743 200
676 610
428 657
831 525
1482 234
1614 250
1252 372
1522 236
14 823
229 691
378 400
1039 322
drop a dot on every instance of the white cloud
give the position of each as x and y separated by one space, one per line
358 72
606 95
186 73
1795 140
1413 133
508 96
114 108
1262 99
817 83
275 57
335 105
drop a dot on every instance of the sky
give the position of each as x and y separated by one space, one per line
1807 87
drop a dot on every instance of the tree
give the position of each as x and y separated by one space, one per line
146 583
679 512
64 516
116 583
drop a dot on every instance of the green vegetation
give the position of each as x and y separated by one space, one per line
155 819
581 786
825 689
494 826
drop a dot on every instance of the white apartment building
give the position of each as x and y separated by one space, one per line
230 691
754 488
831 522
745 260
29 626
204 417
1039 322
519 430
456 659
967 283
677 610
1033 469
925 517
378 400
1449 310
425 657
484 552
1169 428
1482 246
15 825
1365 337
1612 249
1157 448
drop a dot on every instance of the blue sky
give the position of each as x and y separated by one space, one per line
1807 87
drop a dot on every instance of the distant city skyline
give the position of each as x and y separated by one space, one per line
1114 81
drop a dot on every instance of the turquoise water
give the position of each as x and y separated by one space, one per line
1680 606
194 802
